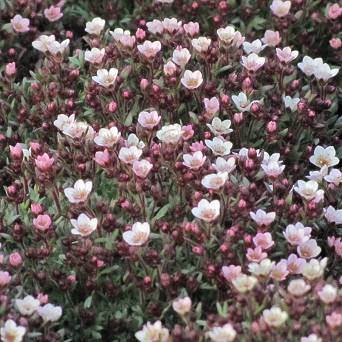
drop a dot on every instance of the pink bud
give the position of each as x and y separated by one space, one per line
140 34
36 209
5 278
15 259
42 222
112 106
143 83
16 152
43 298
238 118
71 278
10 69
335 43
271 127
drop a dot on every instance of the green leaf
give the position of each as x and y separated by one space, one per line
87 302
162 211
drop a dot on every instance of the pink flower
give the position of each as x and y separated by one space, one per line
335 43
334 320
20 24
212 106
334 11
16 152
53 13
256 254
44 162
263 240
191 28
279 271
286 55
10 69
338 247
102 158
295 264
36 209
42 222
142 168
5 278
309 249
187 132
43 298
15 259
262 218
149 120
231 272
252 62
297 234
271 38
197 146
194 161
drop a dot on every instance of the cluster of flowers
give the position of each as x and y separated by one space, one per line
169 169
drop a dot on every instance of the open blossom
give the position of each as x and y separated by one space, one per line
215 181
20 24
79 192
123 37
11 332
263 240
219 146
133 140
271 38
255 47
309 190
129 154
5 278
149 120
153 333
229 37
231 272
256 254
262 218
192 79
142 168
222 165
219 127
333 215
319 175
309 65
207 211
298 287
194 161
43 42
311 338
324 156
181 56
169 68
50 312
63 121
242 103
84 225
171 25
149 49
286 55
102 158
138 235
105 77
191 28
155 26
261 269
95 26
296 234
42 222
328 294
295 264
57 48
324 72
44 162
280 8
53 13
182 305
274 317
94 56
314 268
291 103
334 320
27 306
201 44
78 130
334 11
212 106
170 134
252 62
226 333
244 283
334 177
273 169
308 249
280 271
107 137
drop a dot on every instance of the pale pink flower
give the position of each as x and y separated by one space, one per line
263 240
102 157
16 151
5 278
335 43
280 8
94 56
207 211
334 11
191 28
274 317
279 271
153 333
256 254
309 249
171 25
194 161
215 181
309 190
328 294
197 146
255 46
11 332
42 222
15 259
149 119
84 225
252 62
338 247
20 24
231 272
10 69
142 168
333 215
295 264
262 218
169 68
244 283
149 49
271 38
297 234
182 305
53 13
334 320
334 177
106 78
44 162
311 338
286 55
298 287
192 79
212 105
187 132
129 154
201 44
79 192
138 235
155 26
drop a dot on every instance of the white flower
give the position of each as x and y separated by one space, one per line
297 234
314 268
129 154
244 283
153 333
78 130
215 181
181 56
107 137
280 8
286 55
328 294
194 161
324 156
84 225
222 165
94 56
149 49
11 332
318 175
253 62
192 79
274 317
171 25
256 47
241 102
311 338
27 306
133 140
63 121
169 68
333 215
105 77
261 269
201 44
95 26
309 190
229 36
219 127
262 218
138 235
50 312
309 249
79 192
155 26
271 38
309 65
118 33
334 177
212 106
170 134
43 42
291 103
226 333
298 287
207 211
324 72
182 305
56 48
273 168
219 146
142 168
149 119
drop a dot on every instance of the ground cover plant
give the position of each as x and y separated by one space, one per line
170 170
